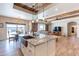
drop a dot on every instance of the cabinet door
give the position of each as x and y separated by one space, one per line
24 50
34 27
41 50
30 49
51 47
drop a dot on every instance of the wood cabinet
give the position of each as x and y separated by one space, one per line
57 33
47 27
34 27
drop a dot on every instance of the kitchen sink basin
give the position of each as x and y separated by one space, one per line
28 37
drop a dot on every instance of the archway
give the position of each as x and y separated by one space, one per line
72 28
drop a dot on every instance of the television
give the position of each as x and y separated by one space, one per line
57 29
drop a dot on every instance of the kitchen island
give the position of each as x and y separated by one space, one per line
42 45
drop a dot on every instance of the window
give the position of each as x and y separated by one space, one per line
41 27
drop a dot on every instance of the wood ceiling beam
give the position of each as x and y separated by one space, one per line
66 15
43 6
26 7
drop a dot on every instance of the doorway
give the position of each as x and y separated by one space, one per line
72 29
13 29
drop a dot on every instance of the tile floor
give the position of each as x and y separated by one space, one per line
9 48
65 46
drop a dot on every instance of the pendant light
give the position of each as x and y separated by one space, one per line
37 20
43 13
32 14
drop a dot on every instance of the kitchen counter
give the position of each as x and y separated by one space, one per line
42 45
41 39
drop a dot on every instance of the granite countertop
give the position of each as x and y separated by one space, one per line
41 39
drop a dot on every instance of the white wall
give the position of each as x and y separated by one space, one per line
63 23
6 9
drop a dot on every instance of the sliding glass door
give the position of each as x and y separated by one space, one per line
13 29
21 29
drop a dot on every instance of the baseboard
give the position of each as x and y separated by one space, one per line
2 39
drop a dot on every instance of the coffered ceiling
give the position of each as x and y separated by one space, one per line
33 8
